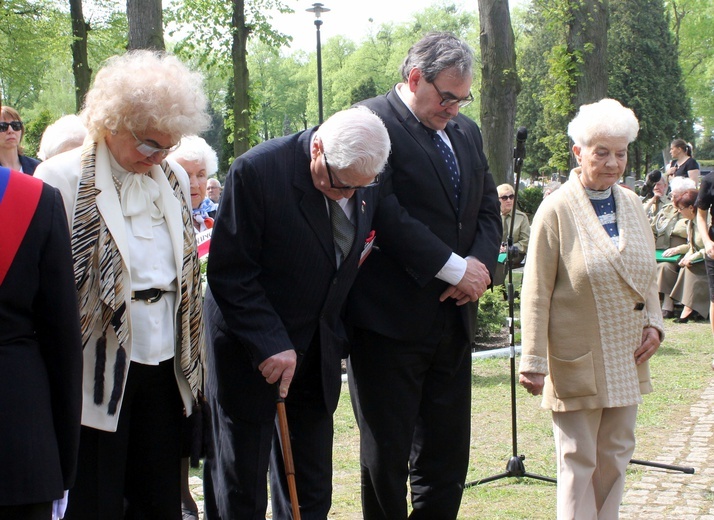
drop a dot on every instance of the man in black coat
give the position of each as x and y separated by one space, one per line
412 309
40 350
280 267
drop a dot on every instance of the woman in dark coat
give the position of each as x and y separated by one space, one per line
40 350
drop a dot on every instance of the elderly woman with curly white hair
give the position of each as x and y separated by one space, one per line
590 314
200 161
137 275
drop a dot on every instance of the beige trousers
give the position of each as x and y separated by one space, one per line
593 448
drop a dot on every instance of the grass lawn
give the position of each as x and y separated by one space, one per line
680 371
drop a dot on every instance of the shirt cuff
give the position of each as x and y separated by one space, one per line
453 270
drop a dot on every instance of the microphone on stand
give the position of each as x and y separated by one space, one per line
519 152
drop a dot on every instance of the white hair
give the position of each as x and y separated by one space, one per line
67 133
681 184
195 149
606 118
356 138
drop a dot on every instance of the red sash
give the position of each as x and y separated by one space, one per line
19 196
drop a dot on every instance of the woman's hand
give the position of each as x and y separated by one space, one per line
686 261
649 345
669 252
532 382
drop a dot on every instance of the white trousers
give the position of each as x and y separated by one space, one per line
593 448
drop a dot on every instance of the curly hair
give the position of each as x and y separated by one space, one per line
143 90
606 118
194 148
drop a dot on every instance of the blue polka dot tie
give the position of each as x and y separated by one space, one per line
450 161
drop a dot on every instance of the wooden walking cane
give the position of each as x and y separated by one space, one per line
287 454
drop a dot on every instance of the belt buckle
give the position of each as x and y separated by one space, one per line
154 299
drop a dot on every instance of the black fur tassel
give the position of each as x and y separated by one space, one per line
119 367
99 363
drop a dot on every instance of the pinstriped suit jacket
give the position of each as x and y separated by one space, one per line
272 274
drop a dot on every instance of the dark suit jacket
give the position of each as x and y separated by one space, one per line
28 164
40 361
418 225
273 280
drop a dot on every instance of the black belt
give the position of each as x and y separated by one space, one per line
148 295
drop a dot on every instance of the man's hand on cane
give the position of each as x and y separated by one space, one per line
280 366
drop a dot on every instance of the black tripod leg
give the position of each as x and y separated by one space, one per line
683 469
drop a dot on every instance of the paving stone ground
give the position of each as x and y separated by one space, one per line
666 494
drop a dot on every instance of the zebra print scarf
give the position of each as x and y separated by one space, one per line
100 285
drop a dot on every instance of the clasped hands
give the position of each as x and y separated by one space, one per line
472 285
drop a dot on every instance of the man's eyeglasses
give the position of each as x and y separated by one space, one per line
449 101
148 150
15 125
342 185
507 197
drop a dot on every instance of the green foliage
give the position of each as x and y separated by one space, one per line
33 132
529 199
646 77
492 313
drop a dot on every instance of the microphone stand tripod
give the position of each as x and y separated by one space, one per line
515 466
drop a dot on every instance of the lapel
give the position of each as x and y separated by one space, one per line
108 202
589 224
422 138
309 199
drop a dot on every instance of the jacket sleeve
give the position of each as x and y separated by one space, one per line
57 325
234 265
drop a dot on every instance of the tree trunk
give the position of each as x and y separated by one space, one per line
80 65
499 87
587 39
146 27
241 101
587 36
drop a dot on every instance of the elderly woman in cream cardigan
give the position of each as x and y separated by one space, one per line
590 314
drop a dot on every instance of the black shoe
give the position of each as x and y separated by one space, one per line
667 314
686 319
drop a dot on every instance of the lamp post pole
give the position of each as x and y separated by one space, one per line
318 9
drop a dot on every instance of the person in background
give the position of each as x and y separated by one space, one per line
705 217
214 190
691 284
137 274
590 314
412 310
670 232
521 226
683 164
67 133
550 188
292 229
40 351
200 161
656 185
12 130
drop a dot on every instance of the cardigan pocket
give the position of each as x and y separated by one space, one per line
573 377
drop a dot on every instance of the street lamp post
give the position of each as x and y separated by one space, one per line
318 9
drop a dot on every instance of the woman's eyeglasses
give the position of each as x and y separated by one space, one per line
148 150
15 125
507 197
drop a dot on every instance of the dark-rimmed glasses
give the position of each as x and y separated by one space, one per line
342 185
15 125
449 101
148 150
507 197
